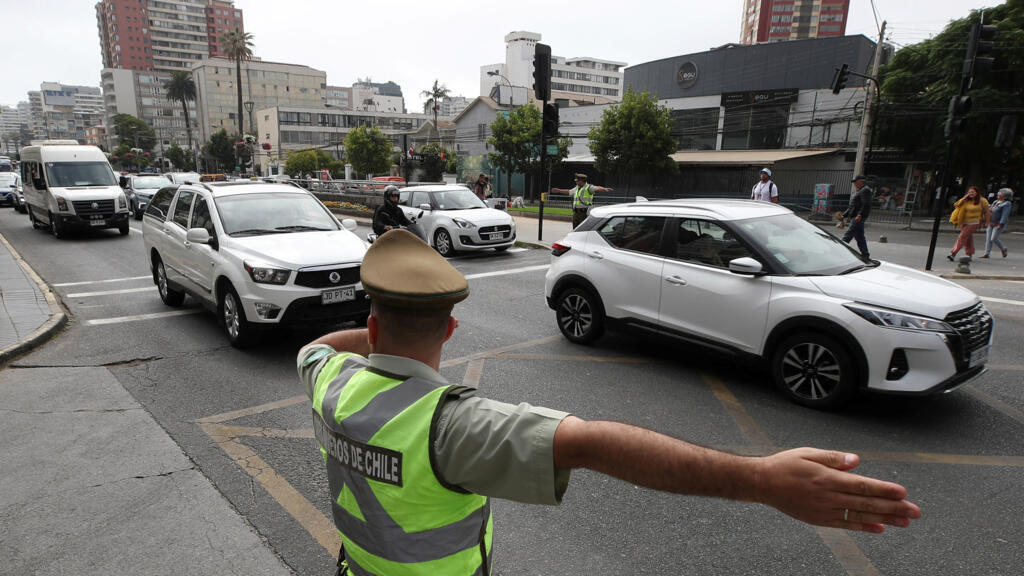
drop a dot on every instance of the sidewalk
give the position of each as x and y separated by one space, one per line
92 484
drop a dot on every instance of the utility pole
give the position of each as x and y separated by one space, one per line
868 119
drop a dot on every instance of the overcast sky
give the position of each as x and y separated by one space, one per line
414 42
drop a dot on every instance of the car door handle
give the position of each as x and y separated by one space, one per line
675 280
596 255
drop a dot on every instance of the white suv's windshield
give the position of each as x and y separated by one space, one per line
798 246
278 213
66 174
461 199
150 182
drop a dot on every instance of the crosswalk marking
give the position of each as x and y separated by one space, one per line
1002 301
128 279
509 271
137 317
111 292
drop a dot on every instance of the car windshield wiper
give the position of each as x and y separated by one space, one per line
255 231
299 228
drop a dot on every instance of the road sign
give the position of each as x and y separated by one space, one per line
551 150
416 157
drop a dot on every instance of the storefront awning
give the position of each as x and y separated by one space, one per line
744 157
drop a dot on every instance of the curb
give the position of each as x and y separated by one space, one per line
55 323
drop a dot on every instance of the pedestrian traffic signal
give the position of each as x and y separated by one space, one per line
840 78
956 121
549 122
542 72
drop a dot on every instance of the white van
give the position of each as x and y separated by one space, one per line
69 186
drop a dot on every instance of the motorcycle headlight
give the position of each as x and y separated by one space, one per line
267 275
899 320
464 224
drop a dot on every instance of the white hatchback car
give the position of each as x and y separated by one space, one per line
258 254
455 220
752 279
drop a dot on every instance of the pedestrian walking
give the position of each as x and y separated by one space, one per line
481 186
412 460
765 190
969 213
858 212
582 197
999 216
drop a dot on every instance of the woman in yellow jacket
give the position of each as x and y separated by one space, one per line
969 213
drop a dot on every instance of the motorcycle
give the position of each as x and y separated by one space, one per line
413 227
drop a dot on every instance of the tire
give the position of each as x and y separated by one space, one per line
32 218
580 315
170 296
123 229
814 370
443 243
240 332
55 228
137 213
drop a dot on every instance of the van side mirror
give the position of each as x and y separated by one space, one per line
38 184
123 182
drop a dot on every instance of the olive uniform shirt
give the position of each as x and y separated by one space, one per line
483 446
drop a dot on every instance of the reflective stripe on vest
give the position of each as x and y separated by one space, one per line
582 197
393 513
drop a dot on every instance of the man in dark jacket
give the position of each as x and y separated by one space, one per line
859 210
389 215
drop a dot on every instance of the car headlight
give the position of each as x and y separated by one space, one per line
899 320
267 275
122 201
62 204
464 224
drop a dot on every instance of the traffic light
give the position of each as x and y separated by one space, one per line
979 47
956 121
840 78
549 122
542 72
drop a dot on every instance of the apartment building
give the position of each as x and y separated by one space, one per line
63 112
781 20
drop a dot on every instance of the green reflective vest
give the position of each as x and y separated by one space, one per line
394 515
582 197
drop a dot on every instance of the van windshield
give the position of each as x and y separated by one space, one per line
66 174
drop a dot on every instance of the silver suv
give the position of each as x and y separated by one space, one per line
752 279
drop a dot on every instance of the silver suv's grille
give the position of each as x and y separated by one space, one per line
974 325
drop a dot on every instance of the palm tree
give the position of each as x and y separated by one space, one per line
182 88
435 95
238 46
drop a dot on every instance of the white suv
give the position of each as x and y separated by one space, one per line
258 254
752 279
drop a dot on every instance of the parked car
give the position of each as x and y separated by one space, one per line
140 189
11 192
455 220
183 177
258 254
753 280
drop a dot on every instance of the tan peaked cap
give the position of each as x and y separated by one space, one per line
402 271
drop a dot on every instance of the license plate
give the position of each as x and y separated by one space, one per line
338 295
494 236
979 356
97 222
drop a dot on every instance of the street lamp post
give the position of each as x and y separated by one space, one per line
249 104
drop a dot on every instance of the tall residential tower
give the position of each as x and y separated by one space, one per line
781 20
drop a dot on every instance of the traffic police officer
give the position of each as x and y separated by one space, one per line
582 197
412 460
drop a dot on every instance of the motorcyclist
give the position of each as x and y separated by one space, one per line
389 215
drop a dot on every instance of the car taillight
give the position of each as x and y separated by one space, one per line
559 249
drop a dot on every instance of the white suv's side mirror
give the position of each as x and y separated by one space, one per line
198 236
425 207
745 266
349 224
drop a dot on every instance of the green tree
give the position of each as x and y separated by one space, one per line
516 140
435 95
133 132
182 88
177 156
301 162
368 150
920 79
238 46
634 136
220 149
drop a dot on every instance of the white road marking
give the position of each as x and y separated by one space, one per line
509 271
120 319
111 292
1002 301
62 285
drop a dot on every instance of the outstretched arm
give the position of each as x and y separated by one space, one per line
559 191
808 484
603 189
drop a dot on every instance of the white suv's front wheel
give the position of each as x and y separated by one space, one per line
580 315
240 332
814 370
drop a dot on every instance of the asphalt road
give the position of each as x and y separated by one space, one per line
241 417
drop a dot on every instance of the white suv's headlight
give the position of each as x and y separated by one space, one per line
122 201
465 224
267 275
899 320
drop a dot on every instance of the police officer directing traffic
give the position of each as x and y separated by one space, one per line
582 197
412 460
